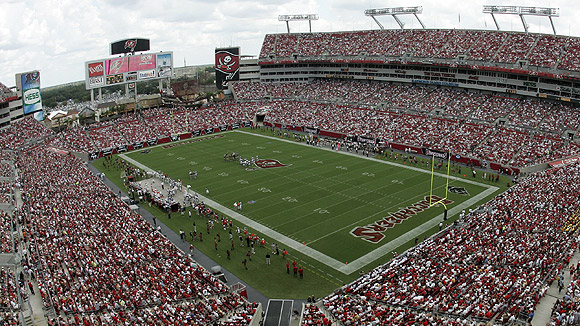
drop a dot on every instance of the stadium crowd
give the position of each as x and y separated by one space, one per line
98 263
540 50
6 228
463 122
496 263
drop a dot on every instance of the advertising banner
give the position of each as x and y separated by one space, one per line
128 69
164 64
31 100
311 130
142 62
227 66
147 74
96 81
96 69
564 162
117 65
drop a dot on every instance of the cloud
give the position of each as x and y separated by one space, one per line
58 36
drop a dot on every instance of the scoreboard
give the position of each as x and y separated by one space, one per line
128 69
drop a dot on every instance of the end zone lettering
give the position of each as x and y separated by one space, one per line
374 232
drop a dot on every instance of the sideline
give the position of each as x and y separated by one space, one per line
362 261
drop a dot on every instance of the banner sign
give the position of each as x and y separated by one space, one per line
564 162
31 100
127 69
142 62
164 64
434 153
311 130
227 66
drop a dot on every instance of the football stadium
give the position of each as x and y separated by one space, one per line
369 177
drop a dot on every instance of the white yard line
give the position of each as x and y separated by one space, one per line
362 261
370 159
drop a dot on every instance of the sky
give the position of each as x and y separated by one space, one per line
57 37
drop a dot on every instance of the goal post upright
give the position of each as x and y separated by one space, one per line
441 201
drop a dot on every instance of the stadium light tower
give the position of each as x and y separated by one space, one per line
521 11
394 12
288 18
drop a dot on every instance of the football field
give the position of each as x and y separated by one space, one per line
341 209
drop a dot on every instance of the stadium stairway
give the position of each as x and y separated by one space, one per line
34 315
544 308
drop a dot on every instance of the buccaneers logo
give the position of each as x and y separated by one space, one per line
130 44
268 163
227 62
458 190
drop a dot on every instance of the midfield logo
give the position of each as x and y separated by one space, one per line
268 163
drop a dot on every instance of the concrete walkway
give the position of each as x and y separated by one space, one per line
544 309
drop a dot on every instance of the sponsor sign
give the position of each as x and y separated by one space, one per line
195 133
434 153
227 66
311 130
142 62
96 69
209 131
236 125
131 76
247 124
564 162
164 64
223 127
115 79
96 81
31 99
147 74
93 156
174 137
362 139
107 151
122 149
117 65
138 145
374 232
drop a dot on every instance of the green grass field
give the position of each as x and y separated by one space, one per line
314 205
